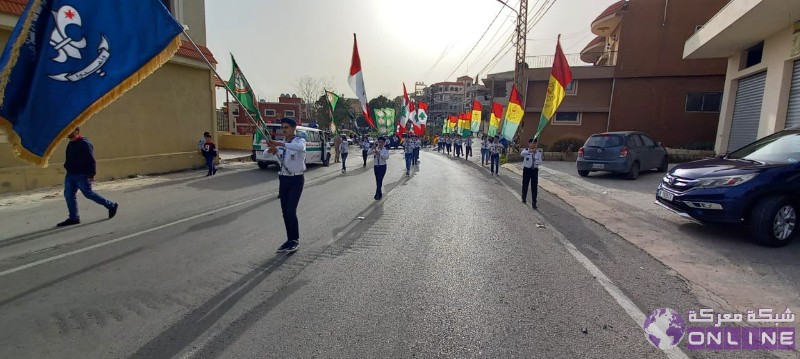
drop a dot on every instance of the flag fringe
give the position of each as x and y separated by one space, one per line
151 66
19 41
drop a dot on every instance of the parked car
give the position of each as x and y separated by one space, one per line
758 185
626 152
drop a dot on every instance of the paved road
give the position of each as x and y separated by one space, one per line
448 264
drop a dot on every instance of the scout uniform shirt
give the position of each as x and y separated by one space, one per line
408 147
365 145
495 148
293 157
485 144
380 156
531 159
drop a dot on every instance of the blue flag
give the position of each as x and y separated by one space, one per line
68 59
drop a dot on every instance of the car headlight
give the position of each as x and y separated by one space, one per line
726 181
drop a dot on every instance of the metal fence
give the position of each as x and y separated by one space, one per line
602 58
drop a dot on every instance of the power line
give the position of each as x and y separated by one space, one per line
476 44
491 43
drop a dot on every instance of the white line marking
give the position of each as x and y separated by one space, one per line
626 303
120 239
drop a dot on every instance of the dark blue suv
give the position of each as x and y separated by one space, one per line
757 185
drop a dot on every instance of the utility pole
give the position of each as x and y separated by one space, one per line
519 59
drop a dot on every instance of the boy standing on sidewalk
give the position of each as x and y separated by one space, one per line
210 153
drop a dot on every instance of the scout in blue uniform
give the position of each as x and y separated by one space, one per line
531 159
381 154
292 155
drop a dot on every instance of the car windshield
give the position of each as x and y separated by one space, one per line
604 141
780 148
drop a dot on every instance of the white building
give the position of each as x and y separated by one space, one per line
761 39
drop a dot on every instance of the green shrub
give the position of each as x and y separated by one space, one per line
502 159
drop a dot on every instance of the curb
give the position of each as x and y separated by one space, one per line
245 158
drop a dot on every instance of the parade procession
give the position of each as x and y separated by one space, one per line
399 179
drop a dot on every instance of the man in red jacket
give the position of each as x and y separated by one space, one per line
81 169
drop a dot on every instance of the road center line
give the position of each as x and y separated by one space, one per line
626 303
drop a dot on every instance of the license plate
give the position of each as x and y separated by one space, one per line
598 166
665 195
259 153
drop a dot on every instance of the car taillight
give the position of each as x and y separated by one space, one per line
580 152
623 152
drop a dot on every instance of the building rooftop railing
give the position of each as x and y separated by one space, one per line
603 58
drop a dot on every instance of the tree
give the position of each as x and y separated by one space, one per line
341 113
309 89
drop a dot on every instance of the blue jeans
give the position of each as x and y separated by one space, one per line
484 155
210 165
73 183
416 155
495 165
344 159
409 158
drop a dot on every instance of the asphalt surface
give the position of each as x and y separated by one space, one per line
448 264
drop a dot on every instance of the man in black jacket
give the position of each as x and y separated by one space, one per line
81 169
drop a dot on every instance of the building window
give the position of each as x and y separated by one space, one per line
288 113
235 111
753 55
567 118
269 113
572 88
703 102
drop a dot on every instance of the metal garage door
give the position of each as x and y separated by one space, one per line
793 115
747 111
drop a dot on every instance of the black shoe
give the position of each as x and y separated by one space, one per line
69 222
283 247
534 207
523 201
208 175
214 172
291 247
113 210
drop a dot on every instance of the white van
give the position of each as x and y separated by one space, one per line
317 146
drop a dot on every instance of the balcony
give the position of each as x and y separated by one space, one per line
601 58
609 20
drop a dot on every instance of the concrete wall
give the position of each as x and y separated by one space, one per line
657 106
235 142
651 44
778 65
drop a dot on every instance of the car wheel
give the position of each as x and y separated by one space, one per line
634 172
263 165
773 221
583 173
664 165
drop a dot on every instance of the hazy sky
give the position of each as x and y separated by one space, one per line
277 41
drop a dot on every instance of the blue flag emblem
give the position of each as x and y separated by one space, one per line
68 59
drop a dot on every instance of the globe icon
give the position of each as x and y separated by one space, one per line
664 328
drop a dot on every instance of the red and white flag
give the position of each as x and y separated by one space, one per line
356 82
406 112
422 116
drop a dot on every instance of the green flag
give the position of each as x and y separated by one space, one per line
386 122
333 99
245 95
380 120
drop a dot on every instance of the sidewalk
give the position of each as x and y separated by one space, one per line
226 156
723 267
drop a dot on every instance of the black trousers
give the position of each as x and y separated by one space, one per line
344 160
364 154
530 175
469 151
380 172
290 188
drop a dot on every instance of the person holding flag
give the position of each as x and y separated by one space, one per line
380 154
365 146
494 150
484 150
531 159
560 78
408 150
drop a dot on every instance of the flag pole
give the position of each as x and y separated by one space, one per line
228 89
330 111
